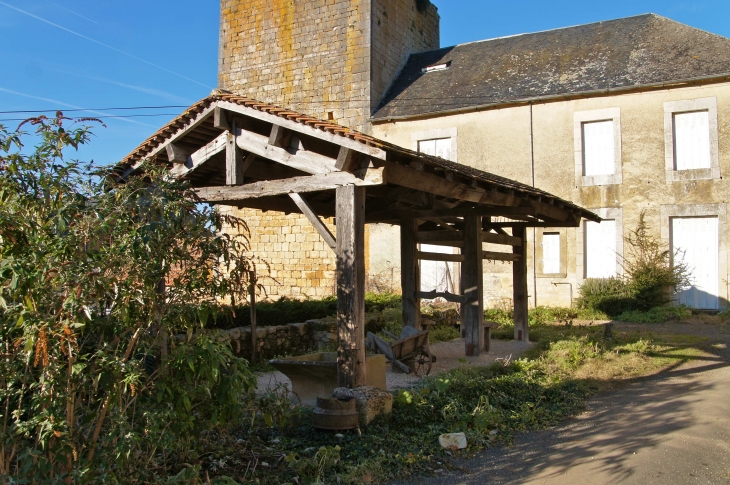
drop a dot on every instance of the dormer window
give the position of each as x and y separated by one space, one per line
436 67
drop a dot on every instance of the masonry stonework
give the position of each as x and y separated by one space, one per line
333 59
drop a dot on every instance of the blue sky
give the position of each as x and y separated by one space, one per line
130 53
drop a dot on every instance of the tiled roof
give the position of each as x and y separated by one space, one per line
646 50
490 181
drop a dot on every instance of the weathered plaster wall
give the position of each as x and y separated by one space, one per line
498 141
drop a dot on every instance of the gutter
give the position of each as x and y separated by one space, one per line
713 79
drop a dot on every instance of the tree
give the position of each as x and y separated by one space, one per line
99 278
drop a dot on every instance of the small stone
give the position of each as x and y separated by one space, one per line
493 432
264 464
340 436
453 441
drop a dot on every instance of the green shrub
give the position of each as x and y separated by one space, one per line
655 315
443 333
608 295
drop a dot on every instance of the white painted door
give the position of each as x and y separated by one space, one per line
600 249
695 241
437 275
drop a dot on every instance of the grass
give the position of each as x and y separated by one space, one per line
551 382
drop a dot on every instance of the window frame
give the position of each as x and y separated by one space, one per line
437 134
563 252
672 108
591 116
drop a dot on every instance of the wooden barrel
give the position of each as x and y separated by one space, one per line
335 414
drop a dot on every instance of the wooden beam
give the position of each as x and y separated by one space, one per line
349 160
340 140
201 156
234 158
472 281
431 295
495 256
305 184
410 275
175 154
314 219
435 237
519 288
219 119
351 286
280 136
407 177
550 211
426 256
306 161
432 214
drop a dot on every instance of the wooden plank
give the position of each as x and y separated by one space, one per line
490 237
439 236
472 277
234 158
314 219
351 286
426 256
299 185
201 156
431 295
358 146
495 256
220 120
306 161
175 154
519 288
410 275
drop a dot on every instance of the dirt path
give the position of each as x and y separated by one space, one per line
673 428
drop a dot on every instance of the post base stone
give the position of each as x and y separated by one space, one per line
370 401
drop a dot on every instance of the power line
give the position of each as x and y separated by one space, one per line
108 117
90 109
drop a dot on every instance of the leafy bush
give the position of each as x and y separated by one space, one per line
443 333
97 278
651 279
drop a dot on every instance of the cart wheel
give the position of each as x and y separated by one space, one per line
423 363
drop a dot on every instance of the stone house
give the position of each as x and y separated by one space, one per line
620 117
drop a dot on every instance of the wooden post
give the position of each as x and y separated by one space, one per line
472 286
519 286
252 308
350 286
410 276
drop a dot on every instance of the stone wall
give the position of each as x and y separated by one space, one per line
312 56
284 340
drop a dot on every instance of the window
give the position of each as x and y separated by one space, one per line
597 139
598 148
439 142
691 140
551 253
690 134
439 147
600 249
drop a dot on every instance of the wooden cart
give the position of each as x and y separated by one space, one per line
410 353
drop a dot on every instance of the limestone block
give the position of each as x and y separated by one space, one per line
370 401
453 441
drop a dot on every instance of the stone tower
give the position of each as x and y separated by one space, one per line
333 59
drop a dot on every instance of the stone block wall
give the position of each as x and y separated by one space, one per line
292 259
312 56
283 340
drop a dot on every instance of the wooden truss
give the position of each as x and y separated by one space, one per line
240 155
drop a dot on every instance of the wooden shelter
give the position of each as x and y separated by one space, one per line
240 152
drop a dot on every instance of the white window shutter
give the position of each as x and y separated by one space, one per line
600 249
697 242
692 140
599 148
439 147
551 253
